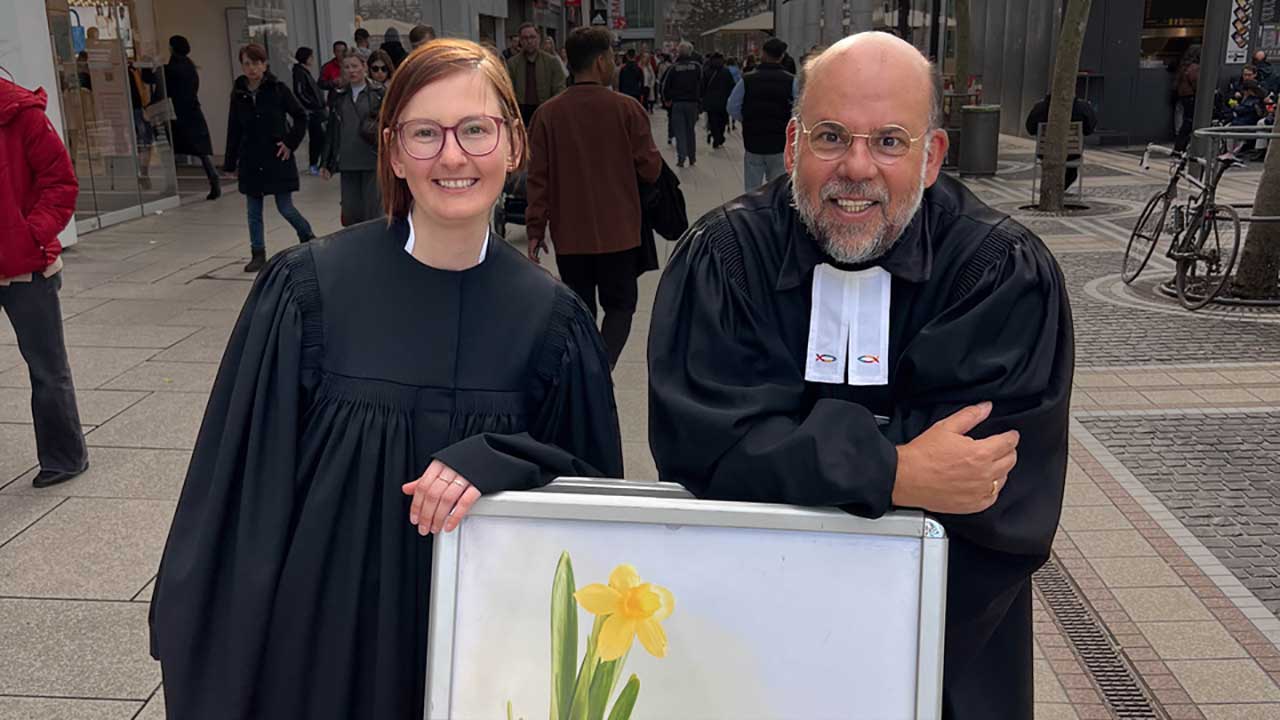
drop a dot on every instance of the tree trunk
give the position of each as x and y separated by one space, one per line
962 46
1075 19
1259 266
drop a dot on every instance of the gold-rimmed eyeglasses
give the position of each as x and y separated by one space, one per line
477 136
829 140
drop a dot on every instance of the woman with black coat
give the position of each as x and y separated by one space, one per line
260 144
308 92
190 131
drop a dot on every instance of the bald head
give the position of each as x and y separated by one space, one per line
877 57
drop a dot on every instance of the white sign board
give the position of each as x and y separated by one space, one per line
725 610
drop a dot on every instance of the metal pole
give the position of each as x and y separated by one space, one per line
1212 55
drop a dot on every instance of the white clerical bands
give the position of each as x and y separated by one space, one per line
849 327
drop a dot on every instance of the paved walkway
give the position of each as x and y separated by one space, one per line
1161 600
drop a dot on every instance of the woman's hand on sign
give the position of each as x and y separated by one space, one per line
441 498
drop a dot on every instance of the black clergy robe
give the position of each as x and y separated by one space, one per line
292 584
978 312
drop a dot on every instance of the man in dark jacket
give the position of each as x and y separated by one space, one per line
682 87
631 78
717 85
37 199
1081 112
762 102
308 92
946 389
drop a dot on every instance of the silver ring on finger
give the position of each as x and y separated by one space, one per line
460 481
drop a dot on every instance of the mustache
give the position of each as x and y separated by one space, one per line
837 187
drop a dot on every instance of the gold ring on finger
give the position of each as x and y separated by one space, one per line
995 486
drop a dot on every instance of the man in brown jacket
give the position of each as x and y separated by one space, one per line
536 75
589 148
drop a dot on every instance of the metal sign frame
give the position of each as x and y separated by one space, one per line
668 504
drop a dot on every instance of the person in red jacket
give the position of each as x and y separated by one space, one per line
37 199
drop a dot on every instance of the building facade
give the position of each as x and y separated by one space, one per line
100 62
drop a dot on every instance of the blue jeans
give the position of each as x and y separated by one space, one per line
760 169
284 203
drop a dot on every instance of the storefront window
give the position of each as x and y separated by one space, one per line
115 120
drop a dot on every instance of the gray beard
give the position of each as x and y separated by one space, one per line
841 241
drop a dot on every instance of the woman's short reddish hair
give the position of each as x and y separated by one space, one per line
429 63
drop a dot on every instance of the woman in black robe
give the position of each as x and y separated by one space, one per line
190 130
295 581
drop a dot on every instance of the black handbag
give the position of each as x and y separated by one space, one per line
662 205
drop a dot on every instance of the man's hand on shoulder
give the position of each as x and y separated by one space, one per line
946 471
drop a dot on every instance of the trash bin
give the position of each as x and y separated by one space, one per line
979 139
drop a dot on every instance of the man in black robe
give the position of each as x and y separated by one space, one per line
866 334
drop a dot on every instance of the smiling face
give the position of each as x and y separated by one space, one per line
455 188
856 206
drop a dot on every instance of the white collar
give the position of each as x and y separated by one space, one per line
849 327
408 246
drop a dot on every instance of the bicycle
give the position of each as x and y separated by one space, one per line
1203 261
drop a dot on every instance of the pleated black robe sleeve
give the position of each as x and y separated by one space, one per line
212 601
573 415
729 416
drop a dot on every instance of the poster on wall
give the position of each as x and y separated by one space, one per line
1238 32
659 607
111 132
1270 12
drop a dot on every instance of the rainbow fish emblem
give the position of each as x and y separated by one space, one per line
824 358
869 359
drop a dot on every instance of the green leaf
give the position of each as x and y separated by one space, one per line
585 672
626 700
564 638
603 683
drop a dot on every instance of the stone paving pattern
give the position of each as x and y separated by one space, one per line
1220 475
149 305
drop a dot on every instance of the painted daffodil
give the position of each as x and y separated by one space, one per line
632 608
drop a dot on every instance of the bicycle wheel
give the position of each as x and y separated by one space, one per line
1205 270
1145 236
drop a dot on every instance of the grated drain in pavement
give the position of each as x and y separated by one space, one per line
1117 682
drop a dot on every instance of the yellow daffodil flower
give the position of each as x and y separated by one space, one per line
632 608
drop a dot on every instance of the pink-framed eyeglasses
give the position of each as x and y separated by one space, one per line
477 136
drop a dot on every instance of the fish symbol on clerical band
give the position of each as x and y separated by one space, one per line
826 358
869 359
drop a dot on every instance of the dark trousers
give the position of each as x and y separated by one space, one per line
1188 104
684 115
361 199
526 114
36 315
716 123
613 275
211 172
315 137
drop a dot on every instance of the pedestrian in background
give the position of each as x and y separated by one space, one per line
536 75
717 84
731 65
331 72
362 43
265 126
37 199
190 130
420 35
309 94
1186 85
381 68
682 88
392 47
631 77
589 149
352 150
763 102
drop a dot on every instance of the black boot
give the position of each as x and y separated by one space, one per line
215 192
257 261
